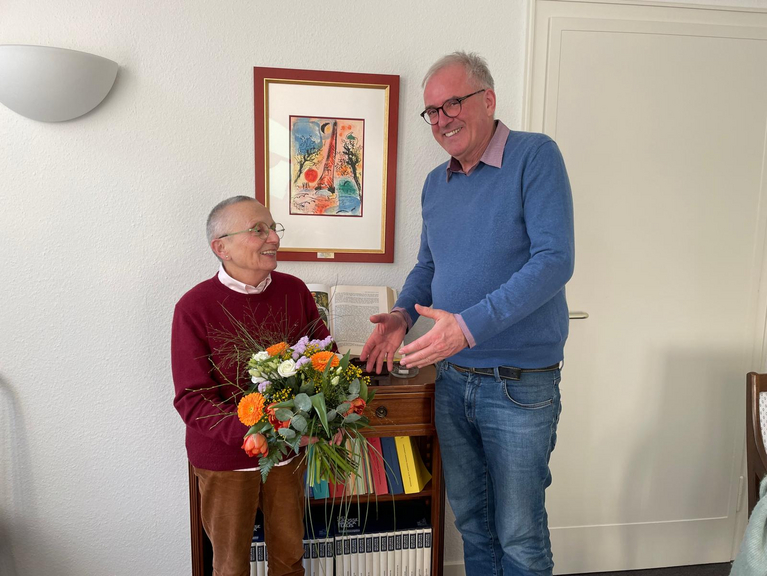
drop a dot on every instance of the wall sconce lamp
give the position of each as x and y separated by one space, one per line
53 84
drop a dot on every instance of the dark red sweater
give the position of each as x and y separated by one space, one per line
286 308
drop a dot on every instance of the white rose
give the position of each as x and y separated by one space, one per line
287 368
261 356
257 379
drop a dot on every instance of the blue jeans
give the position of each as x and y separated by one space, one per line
496 436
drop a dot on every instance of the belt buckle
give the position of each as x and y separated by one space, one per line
509 372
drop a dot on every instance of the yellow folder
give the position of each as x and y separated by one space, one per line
414 472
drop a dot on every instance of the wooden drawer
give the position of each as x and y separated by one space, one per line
400 414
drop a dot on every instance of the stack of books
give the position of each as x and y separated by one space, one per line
375 549
391 465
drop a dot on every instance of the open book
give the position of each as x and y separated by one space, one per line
347 311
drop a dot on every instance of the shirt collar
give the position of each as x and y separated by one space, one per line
492 156
241 287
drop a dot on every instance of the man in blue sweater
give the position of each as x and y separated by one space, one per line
496 251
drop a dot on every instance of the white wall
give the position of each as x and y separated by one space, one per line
101 223
102 228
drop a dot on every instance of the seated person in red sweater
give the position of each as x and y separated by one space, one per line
245 238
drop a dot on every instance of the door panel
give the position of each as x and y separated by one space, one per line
660 114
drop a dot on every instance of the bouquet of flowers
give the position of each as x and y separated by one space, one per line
304 394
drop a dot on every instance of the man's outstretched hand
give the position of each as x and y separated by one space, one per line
384 341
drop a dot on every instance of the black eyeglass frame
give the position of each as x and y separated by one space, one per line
425 113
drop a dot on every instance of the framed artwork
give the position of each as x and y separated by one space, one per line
326 161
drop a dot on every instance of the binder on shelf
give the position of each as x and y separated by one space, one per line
329 553
369 555
412 553
307 560
321 490
339 557
427 552
414 472
397 554
354 556
377 466
315 562
375 557
405 564
392 466
390 569
257 548
383 555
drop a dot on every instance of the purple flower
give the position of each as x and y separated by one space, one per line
264 385
300 347
301 361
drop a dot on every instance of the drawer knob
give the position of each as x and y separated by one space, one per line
381 411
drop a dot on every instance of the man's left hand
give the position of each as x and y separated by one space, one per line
443 340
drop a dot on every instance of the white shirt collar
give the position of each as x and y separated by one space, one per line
241 287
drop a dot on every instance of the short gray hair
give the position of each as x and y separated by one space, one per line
475 66
215 224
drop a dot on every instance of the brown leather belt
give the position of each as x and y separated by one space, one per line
508 372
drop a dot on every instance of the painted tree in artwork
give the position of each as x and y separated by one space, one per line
308 152
353 156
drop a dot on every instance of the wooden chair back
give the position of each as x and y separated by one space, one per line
756 433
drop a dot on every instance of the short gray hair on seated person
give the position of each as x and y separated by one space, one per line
473 63
216 224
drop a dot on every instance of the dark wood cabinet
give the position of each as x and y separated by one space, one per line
400 408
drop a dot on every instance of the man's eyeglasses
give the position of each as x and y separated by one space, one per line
450 108
261 230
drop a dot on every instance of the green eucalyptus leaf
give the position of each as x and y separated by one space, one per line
302 402
332 415
318 401
343 408
306 387
299 423
354 387
283 414
285 404
286 433
352 396
352 418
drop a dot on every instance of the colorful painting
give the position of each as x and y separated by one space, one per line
326 166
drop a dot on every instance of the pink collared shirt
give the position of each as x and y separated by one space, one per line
492 156
241 287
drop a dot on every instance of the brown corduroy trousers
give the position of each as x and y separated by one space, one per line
229 501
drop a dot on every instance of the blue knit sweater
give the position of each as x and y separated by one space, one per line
497 247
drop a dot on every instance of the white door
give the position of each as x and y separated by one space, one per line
660 113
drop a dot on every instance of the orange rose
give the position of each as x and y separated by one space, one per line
255 445
276 424
357 407
277 349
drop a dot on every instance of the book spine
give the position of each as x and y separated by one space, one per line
339 557
407 464
397 554
427 559
329 553
354 556
419 552
411 563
